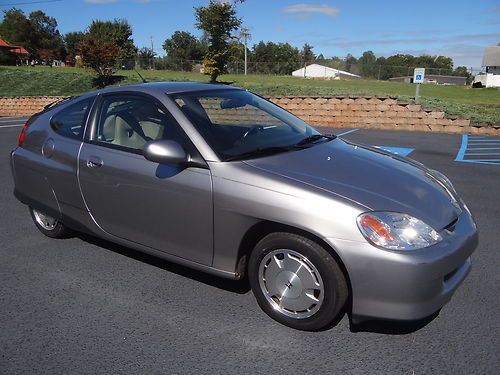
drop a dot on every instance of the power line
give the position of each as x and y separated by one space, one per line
29 3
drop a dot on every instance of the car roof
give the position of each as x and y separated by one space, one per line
168 87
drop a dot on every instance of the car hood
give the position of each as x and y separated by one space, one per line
372 178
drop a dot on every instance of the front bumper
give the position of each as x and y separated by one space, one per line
407 285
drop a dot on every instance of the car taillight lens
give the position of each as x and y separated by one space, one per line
22 135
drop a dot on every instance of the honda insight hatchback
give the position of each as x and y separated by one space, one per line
221 180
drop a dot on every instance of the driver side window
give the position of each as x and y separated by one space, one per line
129 121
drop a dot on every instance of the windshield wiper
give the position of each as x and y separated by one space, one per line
260 152
315 137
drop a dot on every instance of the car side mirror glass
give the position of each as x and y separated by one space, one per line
165 152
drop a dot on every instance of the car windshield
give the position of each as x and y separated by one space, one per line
240 125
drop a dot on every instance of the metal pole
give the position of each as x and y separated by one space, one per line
246 35
417 93
152 53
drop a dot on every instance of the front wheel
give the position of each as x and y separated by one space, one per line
297 282
48 225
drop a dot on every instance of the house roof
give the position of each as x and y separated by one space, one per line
19 50
3 43
14 49
492 56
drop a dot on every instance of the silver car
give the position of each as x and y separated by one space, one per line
221 180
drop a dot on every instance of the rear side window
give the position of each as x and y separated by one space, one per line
70 122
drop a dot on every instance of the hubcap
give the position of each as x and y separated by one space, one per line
291 283
45 221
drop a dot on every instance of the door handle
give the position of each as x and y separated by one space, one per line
94 162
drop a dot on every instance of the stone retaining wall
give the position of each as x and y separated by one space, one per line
340 111
377 113
25 105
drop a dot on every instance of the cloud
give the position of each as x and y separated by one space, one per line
408 41
476 37
306 10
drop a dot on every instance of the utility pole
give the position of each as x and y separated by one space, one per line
245 33
151 63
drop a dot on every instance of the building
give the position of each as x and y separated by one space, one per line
436 79
19 52
323 72
491 64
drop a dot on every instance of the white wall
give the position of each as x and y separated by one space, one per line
488 80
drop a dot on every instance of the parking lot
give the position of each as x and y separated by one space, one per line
85 306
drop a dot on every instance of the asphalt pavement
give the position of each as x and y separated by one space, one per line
85 306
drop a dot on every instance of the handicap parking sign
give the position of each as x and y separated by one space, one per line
418 75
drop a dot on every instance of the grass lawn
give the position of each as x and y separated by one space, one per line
481 105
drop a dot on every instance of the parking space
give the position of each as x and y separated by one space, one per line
12 121
479 149
83 305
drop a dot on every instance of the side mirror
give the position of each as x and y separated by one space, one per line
165 152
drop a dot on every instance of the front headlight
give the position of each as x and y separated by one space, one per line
396 231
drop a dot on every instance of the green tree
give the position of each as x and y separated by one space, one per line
217 20
146 57
275 58
15 28
307 55
71 40
351 64
368 65
183 47
37 33
463 71
119 33
46 36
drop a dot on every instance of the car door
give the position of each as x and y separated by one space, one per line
60 151
165 207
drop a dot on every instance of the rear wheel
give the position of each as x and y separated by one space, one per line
48 225
297 282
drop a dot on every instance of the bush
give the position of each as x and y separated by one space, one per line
100 57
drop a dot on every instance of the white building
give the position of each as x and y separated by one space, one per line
320 71
491 63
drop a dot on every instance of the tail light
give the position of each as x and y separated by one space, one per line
22 135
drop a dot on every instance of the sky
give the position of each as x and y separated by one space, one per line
458 29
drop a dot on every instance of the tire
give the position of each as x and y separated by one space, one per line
48 225
297 282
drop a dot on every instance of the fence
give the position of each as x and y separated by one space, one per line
375 71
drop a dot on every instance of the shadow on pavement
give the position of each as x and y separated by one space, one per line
391 327
235 286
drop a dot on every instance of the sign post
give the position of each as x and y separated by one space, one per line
418 78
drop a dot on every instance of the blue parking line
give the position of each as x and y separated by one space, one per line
482 153
347 132
469 147
403 151
485 140
463 147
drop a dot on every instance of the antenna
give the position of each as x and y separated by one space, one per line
139 74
